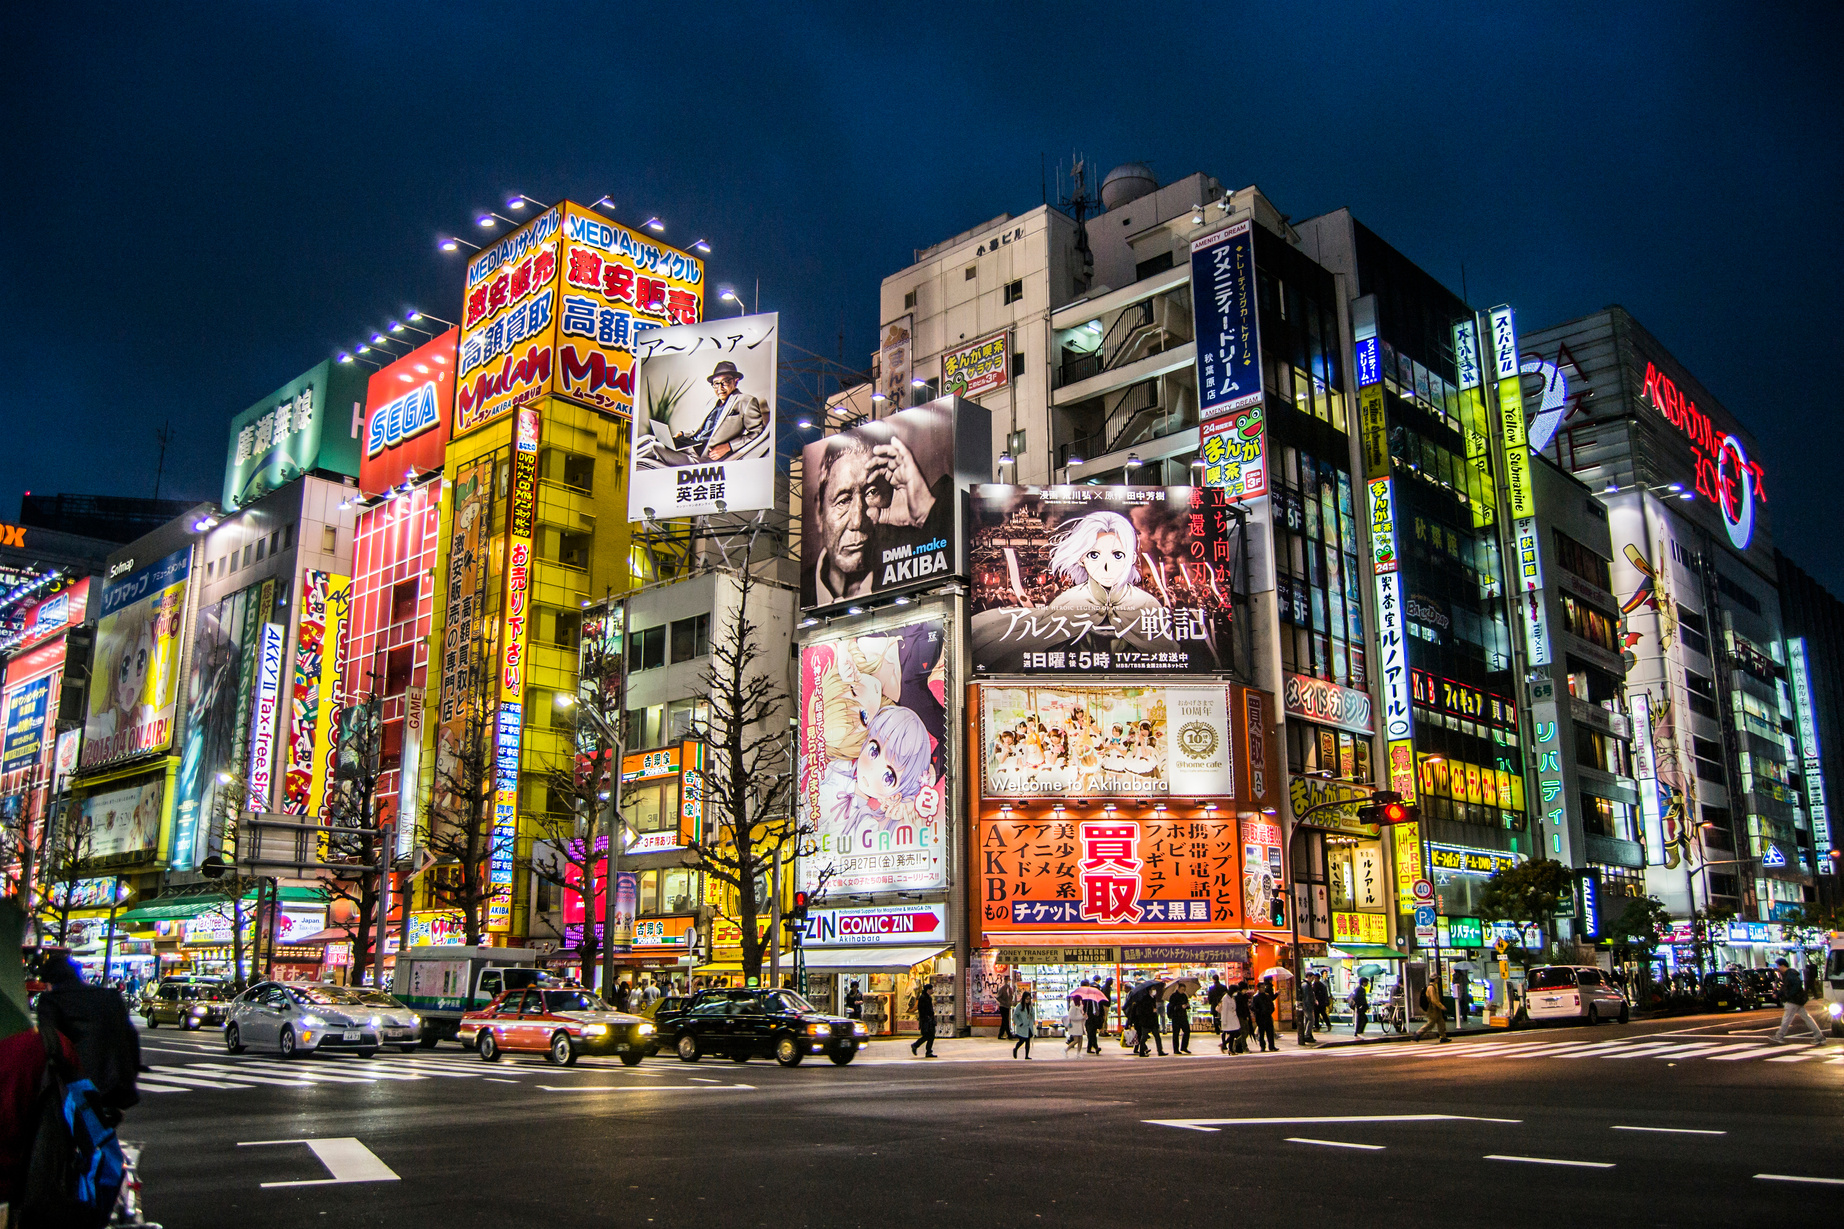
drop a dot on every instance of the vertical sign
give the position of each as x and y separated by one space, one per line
325 750
1645 772
1481 496
1407 838
1812 768
507 740
1511 415
1228 332
268 696
1392 642
1232 448
1550 803
410 770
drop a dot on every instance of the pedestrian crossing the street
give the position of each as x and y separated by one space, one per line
1673 1047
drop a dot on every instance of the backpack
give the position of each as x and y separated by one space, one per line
76 1168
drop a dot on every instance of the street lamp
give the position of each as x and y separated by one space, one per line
728 295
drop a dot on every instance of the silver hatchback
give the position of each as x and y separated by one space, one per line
1573 992
303 1019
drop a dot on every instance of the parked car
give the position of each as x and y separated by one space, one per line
304 1019
1573 992
1727 991
560 1024
669 1010
745 1024
187 1004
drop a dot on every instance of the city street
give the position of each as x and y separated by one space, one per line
1696 1120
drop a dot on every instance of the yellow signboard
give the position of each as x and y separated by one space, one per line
1511 416
1407 838
1370 929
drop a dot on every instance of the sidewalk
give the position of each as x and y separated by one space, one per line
1054 1050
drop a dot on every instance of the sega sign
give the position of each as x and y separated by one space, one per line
408 408
405 418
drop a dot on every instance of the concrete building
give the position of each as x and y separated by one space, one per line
1814 624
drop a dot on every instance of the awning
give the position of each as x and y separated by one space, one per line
1361 951
178 908
870 959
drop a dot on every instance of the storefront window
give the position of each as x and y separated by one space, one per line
651 806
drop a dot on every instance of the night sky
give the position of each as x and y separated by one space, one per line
204 201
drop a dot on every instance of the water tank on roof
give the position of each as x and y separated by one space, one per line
1127 182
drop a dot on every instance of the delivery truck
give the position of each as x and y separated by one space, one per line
444 983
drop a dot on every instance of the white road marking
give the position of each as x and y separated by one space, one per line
1215 1124
1798 1178
1672 1130
1334 1143
146 1086
493 1079
642 1088
1547 1160
345 1158
166 1075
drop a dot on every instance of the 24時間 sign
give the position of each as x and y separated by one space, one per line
1228 330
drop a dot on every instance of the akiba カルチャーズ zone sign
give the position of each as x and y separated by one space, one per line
881 509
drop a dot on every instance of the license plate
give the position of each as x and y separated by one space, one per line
396 1032
352 1035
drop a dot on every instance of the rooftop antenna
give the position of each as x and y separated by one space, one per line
165 436
1078 205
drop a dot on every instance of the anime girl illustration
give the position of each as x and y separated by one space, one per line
879 789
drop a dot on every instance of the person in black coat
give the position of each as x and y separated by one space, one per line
1178 1011
96 1021
1264 1016
925 1018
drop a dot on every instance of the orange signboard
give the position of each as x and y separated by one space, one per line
1108 874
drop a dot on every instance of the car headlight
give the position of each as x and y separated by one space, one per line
859 1030
199 1010
595 1030
313 1021
645 1030
816 1030
1836 1009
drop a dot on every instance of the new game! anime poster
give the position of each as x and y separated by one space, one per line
873 752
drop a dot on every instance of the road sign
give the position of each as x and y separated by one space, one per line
1424 922
1423 890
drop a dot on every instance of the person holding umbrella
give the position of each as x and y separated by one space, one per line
1264 1014
1141 1010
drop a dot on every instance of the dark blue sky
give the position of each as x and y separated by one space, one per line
206 200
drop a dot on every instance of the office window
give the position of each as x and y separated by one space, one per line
685 718
260 544
1017 366
579 471
909 300
691 638
288 535
567 629
211 568
249 554
329 539
646 649
972 271
403 601
1153 264
1014 290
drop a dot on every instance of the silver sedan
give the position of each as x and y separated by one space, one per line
303 1019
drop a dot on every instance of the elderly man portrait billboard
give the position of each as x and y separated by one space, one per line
873 755
880 507
1100 579
704 419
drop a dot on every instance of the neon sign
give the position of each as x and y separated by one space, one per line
1725 475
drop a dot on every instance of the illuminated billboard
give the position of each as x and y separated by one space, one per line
407 412
1101 579
1227 322
522 506
704 419
979 367
881 505
310 423
135 685
1109 742
873 759
557 306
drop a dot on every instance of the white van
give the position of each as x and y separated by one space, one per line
1826 1001
1573 992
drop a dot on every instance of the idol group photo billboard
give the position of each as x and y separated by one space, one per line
135 686
881 512
1101 579
704 419
1106 742
873 759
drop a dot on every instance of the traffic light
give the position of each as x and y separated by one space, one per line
1387 807
800 904
1277 908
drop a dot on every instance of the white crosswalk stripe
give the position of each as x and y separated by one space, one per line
1674 1048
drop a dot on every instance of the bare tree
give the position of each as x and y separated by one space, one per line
351 815
748 787
63 852
460 812
577 836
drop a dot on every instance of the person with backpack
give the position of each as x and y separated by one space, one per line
1436 1007
96 1022
1792 994
1360 1005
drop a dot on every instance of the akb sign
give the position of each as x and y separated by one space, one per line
1725 475
405 418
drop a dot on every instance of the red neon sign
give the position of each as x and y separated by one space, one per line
1725 474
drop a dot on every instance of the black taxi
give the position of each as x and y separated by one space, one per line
744 1024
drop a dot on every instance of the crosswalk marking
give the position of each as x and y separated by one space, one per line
1670 1047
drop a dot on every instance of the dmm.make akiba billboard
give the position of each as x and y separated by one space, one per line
555 306
407 409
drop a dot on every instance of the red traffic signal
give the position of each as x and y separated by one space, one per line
1393 813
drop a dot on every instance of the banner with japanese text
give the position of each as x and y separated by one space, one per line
509 727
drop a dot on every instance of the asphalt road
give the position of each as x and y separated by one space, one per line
1684 1122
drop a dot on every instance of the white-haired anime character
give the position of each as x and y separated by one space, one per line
880 786
1099 555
